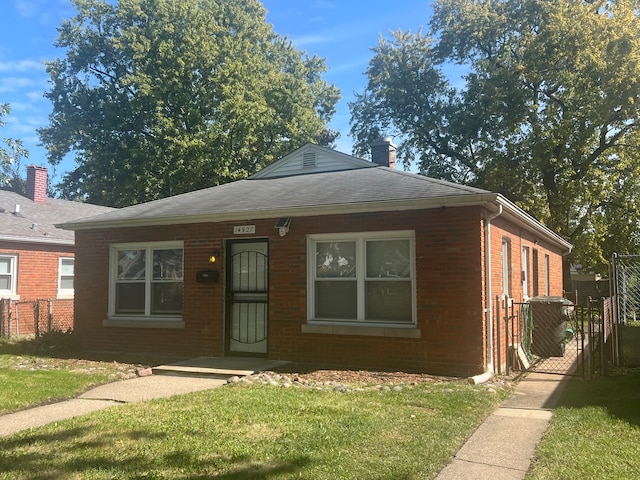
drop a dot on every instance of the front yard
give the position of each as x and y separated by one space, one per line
401 427
28 380
594 432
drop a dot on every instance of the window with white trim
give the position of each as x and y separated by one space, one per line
546 274
66 269
8 274
146 280
362 278
525 272
506 267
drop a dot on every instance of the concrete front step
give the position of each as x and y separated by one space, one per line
218 367
199 371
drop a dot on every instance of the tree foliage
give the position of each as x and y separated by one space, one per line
11 156
160 97
546 110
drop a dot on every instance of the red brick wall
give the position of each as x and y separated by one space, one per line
450 297
501 228
37 268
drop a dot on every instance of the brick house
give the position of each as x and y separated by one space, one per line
37 258
321 257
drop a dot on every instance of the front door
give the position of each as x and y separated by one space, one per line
247 296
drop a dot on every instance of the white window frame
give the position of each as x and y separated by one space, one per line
13 281
360 238
506 266
525 271
65 292
148 247
547 267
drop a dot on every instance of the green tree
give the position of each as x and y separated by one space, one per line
160 97
11 156
546 110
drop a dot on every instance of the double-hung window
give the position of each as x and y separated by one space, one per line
506 267
65 277
362 278
8 274
146 280
525 272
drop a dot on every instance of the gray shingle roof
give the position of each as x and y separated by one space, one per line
35 223
313 180
293 195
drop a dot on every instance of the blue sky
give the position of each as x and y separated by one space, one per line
341 31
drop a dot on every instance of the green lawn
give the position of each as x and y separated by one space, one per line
30 375
257 432
265 432
27 380
594 432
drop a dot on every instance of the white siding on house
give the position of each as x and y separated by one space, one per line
312 159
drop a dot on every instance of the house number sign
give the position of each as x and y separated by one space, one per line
244 229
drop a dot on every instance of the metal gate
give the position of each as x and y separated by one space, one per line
552 335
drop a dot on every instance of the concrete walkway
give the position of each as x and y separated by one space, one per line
176 379
116 393
503 446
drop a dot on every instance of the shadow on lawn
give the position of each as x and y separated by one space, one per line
618 395
82 452
63 345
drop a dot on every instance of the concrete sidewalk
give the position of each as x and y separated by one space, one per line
503 446
116 393
188 376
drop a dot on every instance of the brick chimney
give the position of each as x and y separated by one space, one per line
37 183
383 153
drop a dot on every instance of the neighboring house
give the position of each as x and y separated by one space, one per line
321 257
37 258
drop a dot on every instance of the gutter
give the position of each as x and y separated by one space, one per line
134 218
142 216
488 374
530 223
38 240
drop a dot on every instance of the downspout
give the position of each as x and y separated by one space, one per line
483 377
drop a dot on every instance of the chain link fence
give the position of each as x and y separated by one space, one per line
625 309
20 318
552 335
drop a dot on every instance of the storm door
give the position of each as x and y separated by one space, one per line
247 296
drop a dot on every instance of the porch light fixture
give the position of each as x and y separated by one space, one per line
214 257
283 225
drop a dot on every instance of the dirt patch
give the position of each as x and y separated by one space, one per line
318 374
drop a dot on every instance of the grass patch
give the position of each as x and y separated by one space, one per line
594 432
259 432
28 381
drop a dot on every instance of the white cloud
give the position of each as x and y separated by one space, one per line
13 84
313 39
46 12
26 8
324 4
21 66
36 95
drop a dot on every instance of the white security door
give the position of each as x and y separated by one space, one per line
247 297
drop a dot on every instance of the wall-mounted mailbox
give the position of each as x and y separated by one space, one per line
208 276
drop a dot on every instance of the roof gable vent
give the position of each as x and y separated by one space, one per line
309 160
